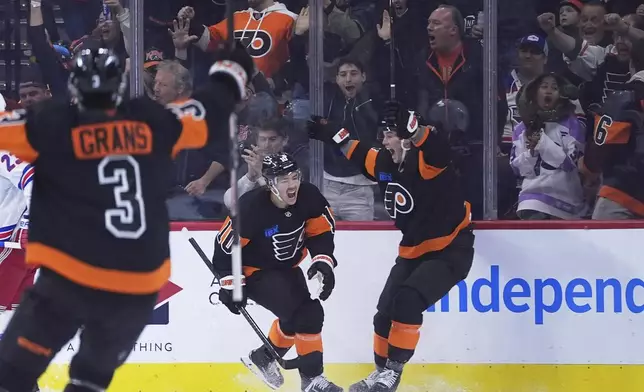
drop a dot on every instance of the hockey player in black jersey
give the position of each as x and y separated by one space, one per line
422 195
280 224
99 225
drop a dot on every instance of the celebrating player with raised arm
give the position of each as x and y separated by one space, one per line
280 224
422 195
99 224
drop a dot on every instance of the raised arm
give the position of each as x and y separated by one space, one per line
207 115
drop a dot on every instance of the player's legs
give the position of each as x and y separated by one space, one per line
109 334
42 324
399 273
13 274
286 294
430 281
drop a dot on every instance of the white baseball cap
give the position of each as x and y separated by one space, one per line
3 104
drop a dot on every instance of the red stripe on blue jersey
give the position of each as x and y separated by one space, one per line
6 232
27 176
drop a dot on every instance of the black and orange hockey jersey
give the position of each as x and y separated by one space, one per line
422 195
617 148
264 34
98 212
276 238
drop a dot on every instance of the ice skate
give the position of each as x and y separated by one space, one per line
365 384
264 367
319 384
389 379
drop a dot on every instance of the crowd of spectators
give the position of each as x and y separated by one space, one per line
558 62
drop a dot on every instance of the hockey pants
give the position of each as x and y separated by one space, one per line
50 315
299 318
411 288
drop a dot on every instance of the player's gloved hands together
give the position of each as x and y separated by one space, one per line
319 128
226 294
323 265
233 66
404 122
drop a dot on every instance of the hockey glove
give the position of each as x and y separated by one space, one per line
23 232
233 67
226 294
402 120
323 265
319 128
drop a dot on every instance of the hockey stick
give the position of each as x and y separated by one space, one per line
284 363
10 245
234 160
392 53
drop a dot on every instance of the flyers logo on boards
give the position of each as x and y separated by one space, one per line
161 313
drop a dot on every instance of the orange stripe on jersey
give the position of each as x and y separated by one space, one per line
317 226
434 244
124 282
94 141
380 346
623 199
225 231
13 135
279 338
34 348
427 171
194 129
352 147
609 131
405 336
370 162
423 137
308 343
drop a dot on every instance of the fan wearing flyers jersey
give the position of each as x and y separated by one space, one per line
264 29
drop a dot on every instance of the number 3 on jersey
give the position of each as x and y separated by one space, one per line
127 219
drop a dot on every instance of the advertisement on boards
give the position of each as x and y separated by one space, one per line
533 297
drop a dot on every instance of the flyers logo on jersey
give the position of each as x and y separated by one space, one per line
397 200
257 42
286 245
191 107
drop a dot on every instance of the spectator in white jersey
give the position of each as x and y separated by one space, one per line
546 147
532 59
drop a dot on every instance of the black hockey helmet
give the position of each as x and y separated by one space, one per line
97 79
278 164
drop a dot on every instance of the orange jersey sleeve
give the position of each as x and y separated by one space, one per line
13 135
194 129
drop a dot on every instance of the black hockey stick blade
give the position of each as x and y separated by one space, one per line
287 364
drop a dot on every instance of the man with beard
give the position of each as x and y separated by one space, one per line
348 104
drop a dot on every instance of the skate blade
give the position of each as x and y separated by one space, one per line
253 369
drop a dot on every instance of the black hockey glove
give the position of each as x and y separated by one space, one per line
323 265
319 128
233 67
226 294
404 122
